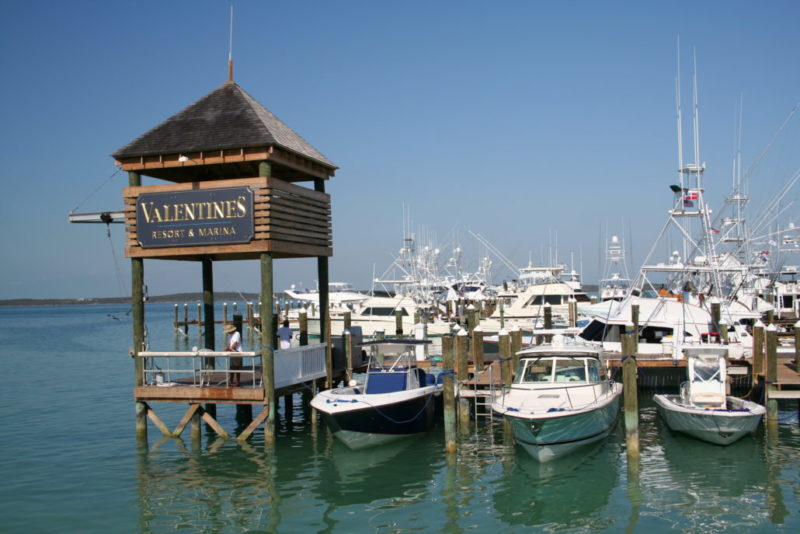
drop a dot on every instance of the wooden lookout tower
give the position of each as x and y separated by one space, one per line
232 175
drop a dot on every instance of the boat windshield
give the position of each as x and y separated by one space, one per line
705 370
560 370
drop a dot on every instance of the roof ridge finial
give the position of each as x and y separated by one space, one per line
230 51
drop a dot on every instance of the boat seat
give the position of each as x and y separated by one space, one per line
708 398
378 383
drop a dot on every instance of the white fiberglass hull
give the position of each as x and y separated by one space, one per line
362 420
719 426
550 434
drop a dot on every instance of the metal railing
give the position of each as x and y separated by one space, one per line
193 368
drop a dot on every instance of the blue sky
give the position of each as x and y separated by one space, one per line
528 122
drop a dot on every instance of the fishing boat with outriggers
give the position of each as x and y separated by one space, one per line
560 399
397 398
702 409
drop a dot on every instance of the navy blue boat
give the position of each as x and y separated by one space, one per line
397 399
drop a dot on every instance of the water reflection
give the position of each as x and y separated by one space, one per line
569 493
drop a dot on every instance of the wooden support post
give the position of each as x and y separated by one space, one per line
288 408
348 355
506 361
209 340
224 313
186 319
548 321
471 323
328 347
449 386
477 348
249 317
346 320
463 415
196 428
462 369
187 417
210 421
771 374
758 349
158 422
516 346
630 393
324 286
199 320
723 330
573 312
303 321
398 322
260 418
771 315
797 347
175 320
635 321
502 314
267 348
137 311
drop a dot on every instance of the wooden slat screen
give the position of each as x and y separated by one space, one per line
290 220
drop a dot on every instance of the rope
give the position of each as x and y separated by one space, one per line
96 190
389 418
116 264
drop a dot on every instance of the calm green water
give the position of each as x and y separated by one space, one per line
70 461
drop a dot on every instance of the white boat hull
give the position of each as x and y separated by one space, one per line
719 426
552 434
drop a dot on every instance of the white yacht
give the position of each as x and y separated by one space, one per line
559 400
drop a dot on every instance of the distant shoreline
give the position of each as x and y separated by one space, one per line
176 298
224 296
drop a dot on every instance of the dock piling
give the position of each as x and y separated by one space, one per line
448 384
630 393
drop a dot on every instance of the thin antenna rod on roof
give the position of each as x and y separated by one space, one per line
230 51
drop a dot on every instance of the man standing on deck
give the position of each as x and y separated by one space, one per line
234 345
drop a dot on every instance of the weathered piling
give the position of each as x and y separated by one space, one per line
548 321
715 314
347 320
506 361
635 329
758 349
348 355
502 313
516 346
797 347
572 305
448 395
303 327
630 393
462 369
398 322
186 319
477 348
463 415
771 373
472 321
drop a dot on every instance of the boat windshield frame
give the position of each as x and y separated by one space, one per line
590 369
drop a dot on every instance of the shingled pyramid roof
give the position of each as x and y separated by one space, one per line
225 118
